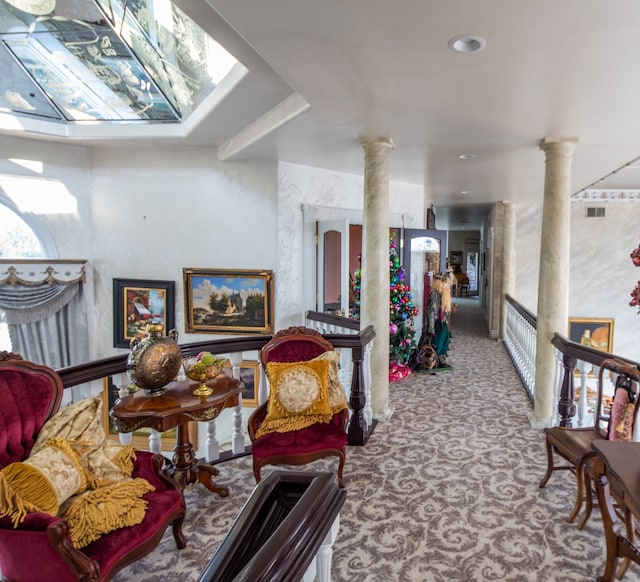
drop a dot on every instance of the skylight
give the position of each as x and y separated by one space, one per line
80 61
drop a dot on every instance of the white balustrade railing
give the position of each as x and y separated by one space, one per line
520 342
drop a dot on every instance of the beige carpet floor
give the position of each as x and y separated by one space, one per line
447 490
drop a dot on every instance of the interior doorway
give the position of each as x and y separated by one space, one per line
472 271
424 255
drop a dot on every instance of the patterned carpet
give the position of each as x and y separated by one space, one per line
447 490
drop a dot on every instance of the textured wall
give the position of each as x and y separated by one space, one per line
602 274
157 212
308 194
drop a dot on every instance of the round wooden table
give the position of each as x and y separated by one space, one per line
176 406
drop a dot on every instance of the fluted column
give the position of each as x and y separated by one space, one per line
508 263
374 294
553 279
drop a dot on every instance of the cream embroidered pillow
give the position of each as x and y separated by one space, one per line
42 482
81 422
298 396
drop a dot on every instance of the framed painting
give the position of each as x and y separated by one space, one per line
592 332
455 258
228 301
250 377
138 302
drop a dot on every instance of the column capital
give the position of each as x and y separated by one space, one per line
376 146
562 146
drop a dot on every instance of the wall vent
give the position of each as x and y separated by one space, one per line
595 212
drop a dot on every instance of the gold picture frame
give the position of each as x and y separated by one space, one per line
592 332
250 377
228 301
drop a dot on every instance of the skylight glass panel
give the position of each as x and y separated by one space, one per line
18 91
108 60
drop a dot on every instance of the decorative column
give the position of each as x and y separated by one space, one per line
508 263
553 279
374 297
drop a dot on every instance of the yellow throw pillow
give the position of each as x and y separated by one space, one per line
42 482
298 396
337 395
100 511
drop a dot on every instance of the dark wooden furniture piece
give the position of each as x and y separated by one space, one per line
575 444
297 344
279 530
617 477
41 549
176 406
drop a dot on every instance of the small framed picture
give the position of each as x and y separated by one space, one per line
455 257
136 304
250 377
592 332
228 301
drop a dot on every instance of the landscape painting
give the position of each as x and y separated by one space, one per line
228 301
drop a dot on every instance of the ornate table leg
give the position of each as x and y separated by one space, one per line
206 472
184 462
187 470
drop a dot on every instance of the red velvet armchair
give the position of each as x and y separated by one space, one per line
298 447
41 549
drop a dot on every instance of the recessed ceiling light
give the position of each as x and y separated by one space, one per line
465 191
466 156
467 43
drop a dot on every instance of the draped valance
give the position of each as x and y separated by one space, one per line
34 272
43 305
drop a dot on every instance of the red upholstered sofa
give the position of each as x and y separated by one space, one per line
41 549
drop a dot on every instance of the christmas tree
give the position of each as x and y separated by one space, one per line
401 309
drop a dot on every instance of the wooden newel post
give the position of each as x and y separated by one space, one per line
357 431
566 402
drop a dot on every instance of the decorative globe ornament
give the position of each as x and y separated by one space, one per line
155 360
205 366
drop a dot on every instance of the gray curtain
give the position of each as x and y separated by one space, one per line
47 323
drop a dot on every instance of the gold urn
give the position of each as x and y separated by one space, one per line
155 360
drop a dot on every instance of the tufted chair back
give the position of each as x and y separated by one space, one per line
29 395
295 344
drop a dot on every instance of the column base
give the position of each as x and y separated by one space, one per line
538 423
384 415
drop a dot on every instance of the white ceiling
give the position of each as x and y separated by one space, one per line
324 73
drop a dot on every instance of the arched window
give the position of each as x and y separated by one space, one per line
17 240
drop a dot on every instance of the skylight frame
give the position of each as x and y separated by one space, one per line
113 114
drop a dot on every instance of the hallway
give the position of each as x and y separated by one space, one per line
447 490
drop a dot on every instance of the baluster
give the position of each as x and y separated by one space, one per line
583 368
325 553
357 425
345 371
237 438
125 437
155 445
211 445
566 403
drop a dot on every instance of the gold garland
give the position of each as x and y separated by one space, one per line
13 278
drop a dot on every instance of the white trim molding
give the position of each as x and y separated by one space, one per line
607 195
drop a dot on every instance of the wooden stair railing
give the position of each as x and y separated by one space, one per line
358 430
